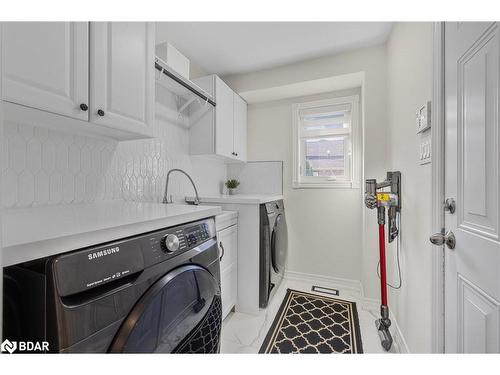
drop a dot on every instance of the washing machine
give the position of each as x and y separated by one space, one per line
273 250
156 292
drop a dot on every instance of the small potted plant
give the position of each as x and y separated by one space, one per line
231 185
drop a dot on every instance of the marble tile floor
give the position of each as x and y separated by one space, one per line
244 333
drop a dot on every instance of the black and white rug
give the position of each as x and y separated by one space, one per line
310 323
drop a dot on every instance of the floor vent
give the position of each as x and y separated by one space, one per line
322 289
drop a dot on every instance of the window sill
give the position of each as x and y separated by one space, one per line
325 185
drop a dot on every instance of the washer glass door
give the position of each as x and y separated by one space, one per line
279 244
180 313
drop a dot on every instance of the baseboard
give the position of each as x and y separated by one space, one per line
399 339
374 305
346 284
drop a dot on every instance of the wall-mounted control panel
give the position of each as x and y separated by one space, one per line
423 117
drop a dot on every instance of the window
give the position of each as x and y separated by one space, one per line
327 143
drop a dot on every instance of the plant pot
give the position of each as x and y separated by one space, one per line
231 191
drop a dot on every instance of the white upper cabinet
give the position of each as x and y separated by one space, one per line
240 128
122 75
77 76
225 133
46 66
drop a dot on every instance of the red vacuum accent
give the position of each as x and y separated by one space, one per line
381 244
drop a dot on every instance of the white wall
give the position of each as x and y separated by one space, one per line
42 166
325 225
409 66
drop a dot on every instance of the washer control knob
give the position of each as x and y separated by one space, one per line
171 243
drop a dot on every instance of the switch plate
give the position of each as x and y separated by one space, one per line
425 151
423 117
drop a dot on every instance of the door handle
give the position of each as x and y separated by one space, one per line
223 251
440 239
450 205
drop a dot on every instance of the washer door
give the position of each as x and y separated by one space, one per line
279 244
180 313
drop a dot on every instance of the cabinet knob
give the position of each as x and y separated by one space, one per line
100 112
84 107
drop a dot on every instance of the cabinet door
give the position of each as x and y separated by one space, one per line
228 246
227 240
240 128
223 119
229 289
122 75
46 65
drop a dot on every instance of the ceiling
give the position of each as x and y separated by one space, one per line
239 47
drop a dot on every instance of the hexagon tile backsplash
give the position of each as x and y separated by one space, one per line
42 167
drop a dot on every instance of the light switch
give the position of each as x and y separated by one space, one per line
425 153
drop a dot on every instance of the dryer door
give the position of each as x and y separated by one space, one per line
279 244
180 313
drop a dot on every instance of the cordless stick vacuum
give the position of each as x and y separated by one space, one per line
377 197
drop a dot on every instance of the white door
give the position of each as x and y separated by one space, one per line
240 128
122 78
472 269
46 66
224 119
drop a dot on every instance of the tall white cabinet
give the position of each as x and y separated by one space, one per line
240 127
224 133
100 74
224 120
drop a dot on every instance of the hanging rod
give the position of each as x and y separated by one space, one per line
163 68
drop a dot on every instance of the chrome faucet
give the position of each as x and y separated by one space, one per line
165 196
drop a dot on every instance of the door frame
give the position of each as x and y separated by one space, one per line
1 192
438 192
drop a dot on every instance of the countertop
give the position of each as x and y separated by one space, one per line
32 233
238 198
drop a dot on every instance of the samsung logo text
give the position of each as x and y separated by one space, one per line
103 253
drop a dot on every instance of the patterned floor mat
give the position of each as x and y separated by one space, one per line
310 323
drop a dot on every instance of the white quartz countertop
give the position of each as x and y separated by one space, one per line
238 198
32 233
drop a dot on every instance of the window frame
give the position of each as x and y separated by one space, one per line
354 162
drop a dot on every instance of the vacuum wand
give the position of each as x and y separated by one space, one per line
383 270
376 197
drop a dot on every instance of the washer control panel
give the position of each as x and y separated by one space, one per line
171 242
197 234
